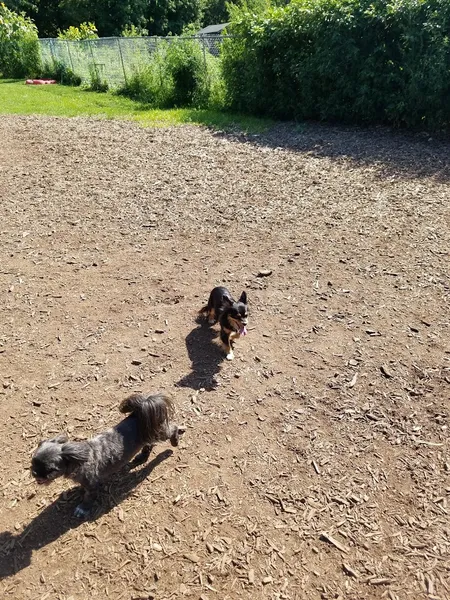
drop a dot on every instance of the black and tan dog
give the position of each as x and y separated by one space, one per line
232 316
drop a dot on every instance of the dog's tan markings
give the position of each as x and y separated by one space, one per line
212 316
235 326
229 349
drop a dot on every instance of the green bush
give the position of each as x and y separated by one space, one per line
19 45
59 71
133 31
85 31
96 83
179 74
357 61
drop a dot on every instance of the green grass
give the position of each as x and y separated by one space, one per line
16 98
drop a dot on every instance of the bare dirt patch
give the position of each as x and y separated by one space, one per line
315 465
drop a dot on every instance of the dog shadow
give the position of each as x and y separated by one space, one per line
57 519
206 356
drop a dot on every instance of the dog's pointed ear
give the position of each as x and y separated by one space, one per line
243 298
62 438
75 452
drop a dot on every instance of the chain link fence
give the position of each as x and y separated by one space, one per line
114 59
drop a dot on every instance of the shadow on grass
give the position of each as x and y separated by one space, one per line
55 520
215 119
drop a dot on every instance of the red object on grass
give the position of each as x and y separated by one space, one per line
39 81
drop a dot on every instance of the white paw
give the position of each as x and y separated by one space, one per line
80 512
230 356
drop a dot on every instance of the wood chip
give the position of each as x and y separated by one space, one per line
193 558
386 372
331 540
426 443
353 381
350 571
381 581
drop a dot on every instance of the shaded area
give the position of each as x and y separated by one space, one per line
56 519
398 153
206 356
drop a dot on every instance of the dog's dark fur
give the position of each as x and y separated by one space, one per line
92 461
232 316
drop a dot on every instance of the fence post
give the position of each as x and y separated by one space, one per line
52 51
158 40
204 58
121 60
90 42
70 55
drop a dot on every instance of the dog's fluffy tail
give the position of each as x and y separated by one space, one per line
153 414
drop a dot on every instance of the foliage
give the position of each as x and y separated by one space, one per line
86 31
180 73
56 100
46 14
219 11
19 46
133 31
97 84
166 17
110 16
114 17
59 71
377 61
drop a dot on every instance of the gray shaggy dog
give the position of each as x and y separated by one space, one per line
91 462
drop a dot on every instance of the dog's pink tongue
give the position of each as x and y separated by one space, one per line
243 330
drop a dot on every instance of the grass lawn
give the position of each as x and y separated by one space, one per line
57 100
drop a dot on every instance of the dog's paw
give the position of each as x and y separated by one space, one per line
211 321
81 512
230 355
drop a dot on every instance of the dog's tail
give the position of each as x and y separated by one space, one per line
153 414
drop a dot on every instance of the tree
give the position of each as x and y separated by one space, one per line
214 12
46 14
172 16
109 16
19 45
219 11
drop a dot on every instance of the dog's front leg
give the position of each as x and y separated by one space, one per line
142 457
229 348
83 510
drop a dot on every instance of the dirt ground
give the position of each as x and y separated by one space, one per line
316 464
